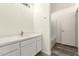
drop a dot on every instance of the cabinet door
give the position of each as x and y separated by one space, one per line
14 53
29 49
39 44
9 48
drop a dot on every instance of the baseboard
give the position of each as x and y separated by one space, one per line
67 45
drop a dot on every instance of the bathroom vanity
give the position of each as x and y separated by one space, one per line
27 45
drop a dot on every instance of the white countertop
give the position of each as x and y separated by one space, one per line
17 38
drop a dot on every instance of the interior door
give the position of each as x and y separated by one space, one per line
68 29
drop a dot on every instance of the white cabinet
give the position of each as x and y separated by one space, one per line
13 53
25 47
11 49
38 44
28 47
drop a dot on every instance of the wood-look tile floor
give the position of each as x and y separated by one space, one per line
62 50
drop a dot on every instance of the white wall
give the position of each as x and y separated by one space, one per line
53 23
14 18
42 24
77 15
78 31
59 6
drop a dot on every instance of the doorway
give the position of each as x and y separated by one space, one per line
66 37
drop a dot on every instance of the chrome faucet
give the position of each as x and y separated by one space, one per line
21 33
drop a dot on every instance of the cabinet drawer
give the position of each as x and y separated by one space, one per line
27 42
8 48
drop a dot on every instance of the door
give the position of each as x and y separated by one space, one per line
68 28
